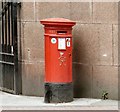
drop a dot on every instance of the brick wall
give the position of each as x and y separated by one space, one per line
95 46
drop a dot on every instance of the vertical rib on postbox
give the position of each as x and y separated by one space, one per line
58 60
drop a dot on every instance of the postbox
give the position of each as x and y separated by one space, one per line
58 60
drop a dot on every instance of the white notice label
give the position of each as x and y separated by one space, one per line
53 40
68 42
61 44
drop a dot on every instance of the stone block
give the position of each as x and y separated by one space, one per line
105 43
21 29
36 54
27 11
33 79
115 44
118 45
32 41
31 54
81 12
24 51
83 43
0 4
82 80
114 88
92 44
118 83
105 12
24 54
105 78
19 33
33 35
52 10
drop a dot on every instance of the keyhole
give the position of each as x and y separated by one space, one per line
69 54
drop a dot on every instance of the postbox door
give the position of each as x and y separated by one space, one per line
59 68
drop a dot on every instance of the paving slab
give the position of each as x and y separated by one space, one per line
18 102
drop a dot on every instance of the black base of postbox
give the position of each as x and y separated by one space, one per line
58 93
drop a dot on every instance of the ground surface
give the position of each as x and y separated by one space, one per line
18 102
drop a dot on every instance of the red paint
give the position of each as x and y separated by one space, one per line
58 68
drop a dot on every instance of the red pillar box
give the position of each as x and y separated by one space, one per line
58 60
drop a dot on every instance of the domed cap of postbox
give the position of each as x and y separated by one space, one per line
57 22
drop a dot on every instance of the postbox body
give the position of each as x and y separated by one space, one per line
58 57
58 53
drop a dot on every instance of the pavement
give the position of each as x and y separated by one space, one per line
18 102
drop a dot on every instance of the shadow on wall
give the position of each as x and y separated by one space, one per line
82 74
19 49
76 77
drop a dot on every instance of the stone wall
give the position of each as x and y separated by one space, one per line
1 81
95 46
